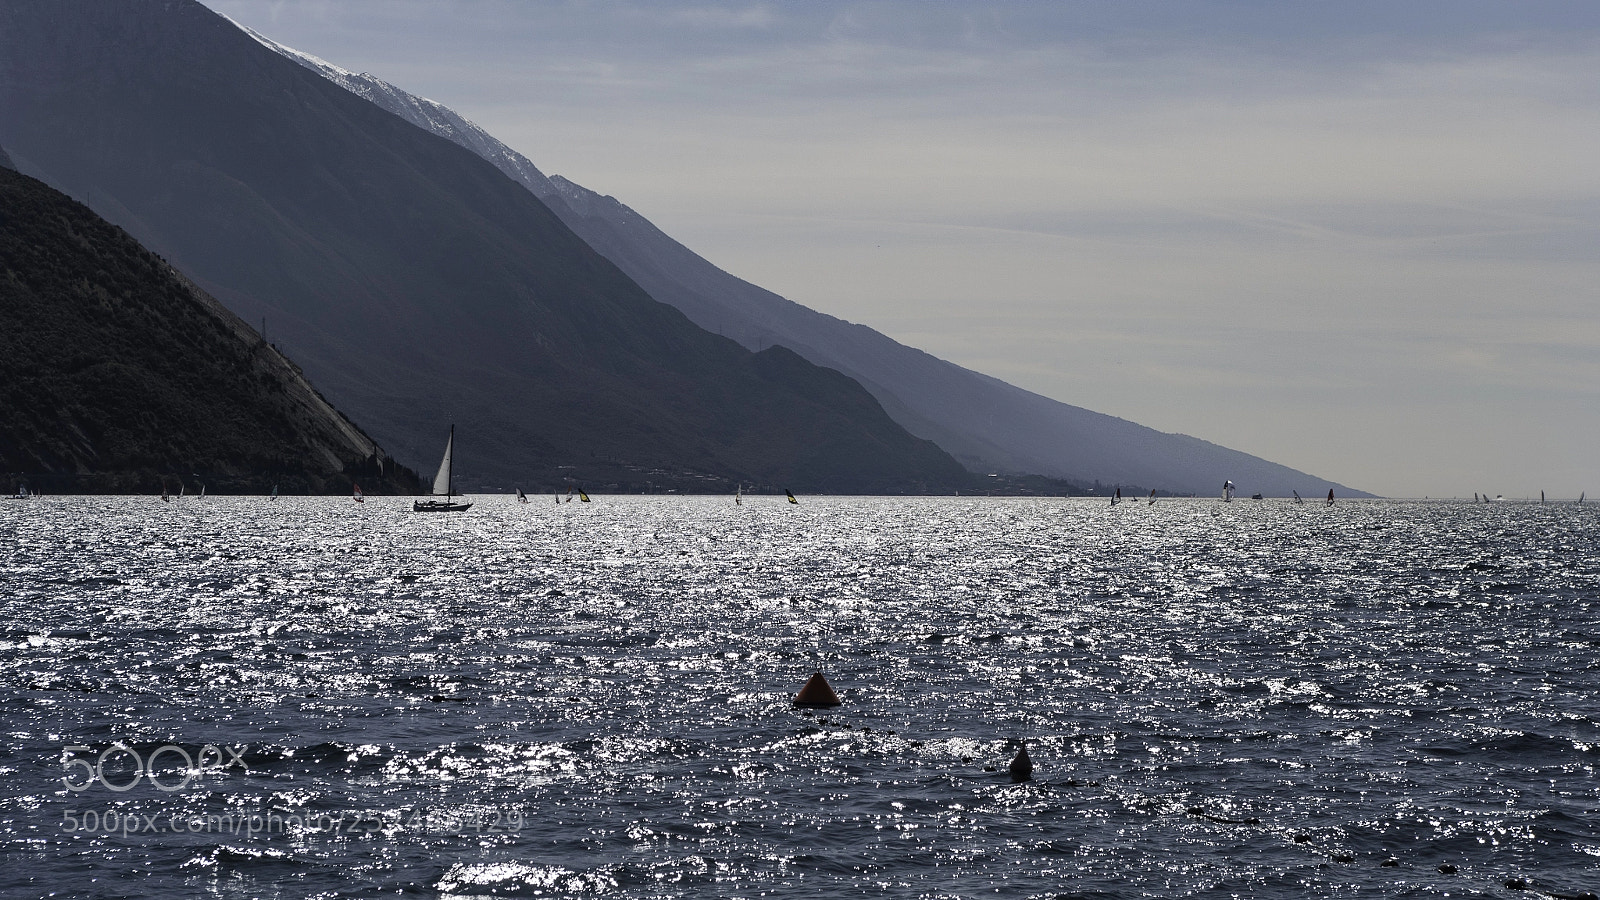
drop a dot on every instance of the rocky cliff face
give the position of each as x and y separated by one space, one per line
118 374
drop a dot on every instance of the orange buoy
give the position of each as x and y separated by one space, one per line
817 694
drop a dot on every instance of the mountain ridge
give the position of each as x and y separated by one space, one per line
414 281
986 423
117 373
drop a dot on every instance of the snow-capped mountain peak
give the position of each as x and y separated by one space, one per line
430 115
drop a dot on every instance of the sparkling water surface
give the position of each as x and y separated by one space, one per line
1254 699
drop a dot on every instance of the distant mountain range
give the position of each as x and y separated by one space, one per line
118 374
986 423
415 283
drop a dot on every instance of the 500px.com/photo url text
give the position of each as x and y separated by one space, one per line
298 823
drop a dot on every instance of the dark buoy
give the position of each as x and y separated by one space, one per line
1021 767
817 694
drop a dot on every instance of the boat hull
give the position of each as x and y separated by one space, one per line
439 506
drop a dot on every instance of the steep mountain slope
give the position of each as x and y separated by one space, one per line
414 282
987 424
117 373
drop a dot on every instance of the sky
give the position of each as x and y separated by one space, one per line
1359 239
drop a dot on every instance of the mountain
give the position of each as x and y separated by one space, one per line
986 423
118 374
415 282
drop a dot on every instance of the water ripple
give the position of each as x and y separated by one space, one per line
1252 699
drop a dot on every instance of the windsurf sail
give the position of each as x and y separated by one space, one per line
582 496
790 494
1117 497
1297 497
1227 492
1330 496
1152 496
521 497
274 494
355 493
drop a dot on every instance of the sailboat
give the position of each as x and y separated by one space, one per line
521 497
1330 496
1227 492
790 494
356 494
443 484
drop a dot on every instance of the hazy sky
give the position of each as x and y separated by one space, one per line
1360 239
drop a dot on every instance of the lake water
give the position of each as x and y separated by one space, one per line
1255 699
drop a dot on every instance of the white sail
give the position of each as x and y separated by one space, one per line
442 484
441 481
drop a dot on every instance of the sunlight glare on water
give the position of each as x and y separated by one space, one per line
1249 699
